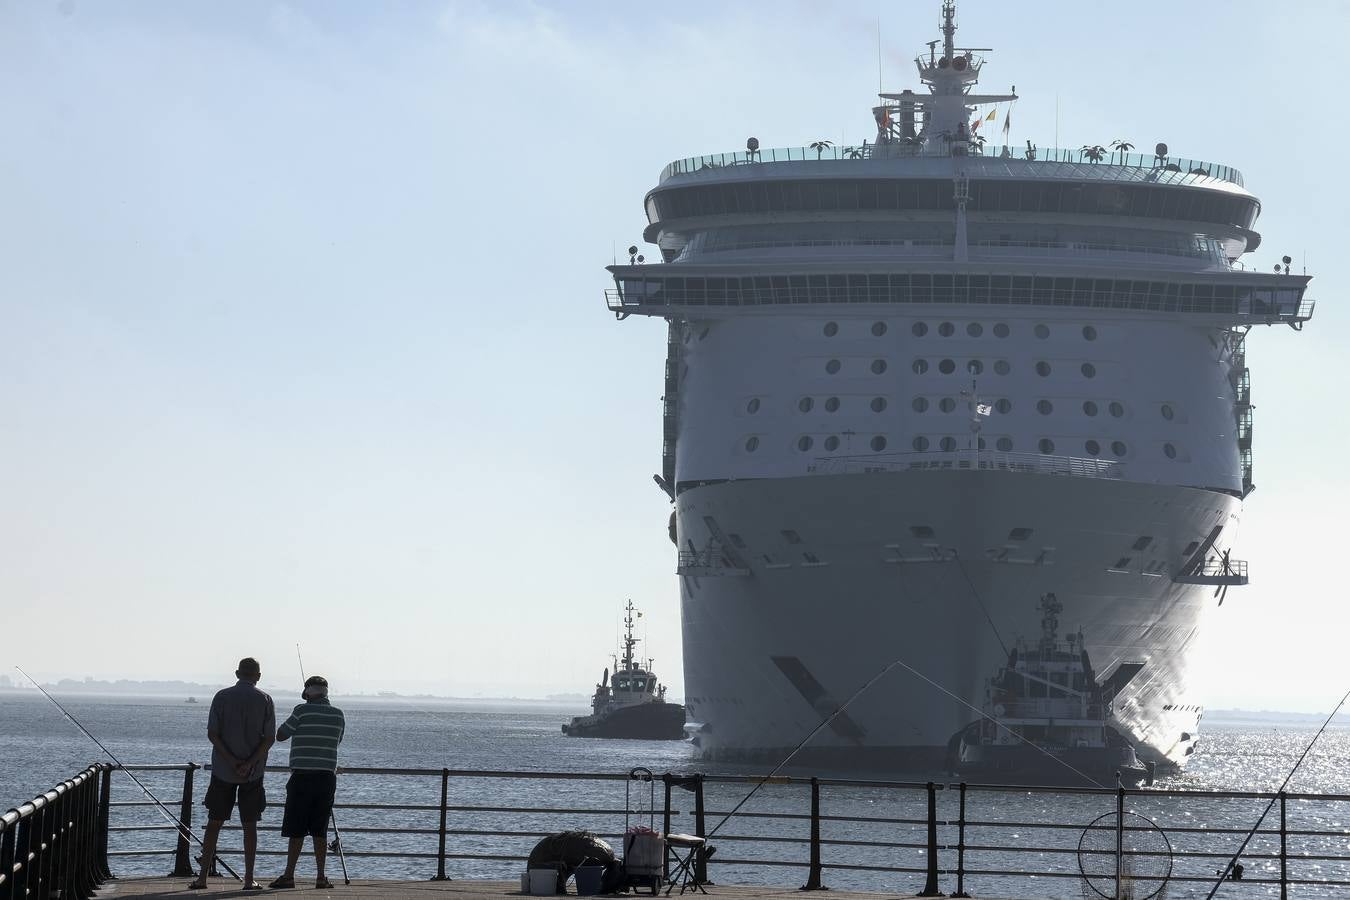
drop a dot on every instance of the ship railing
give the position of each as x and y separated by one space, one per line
1085 253
987 839
1159 168
983 460
56 845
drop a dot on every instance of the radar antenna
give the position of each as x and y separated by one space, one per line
949 29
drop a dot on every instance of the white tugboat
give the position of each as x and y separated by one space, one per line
631 705
1047 720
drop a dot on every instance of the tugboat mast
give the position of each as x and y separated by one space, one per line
628 640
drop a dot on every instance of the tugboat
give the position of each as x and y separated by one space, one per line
1046 718
631 705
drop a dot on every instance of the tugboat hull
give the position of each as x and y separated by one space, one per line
641 722
1068 767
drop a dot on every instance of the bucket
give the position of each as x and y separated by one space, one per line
543 882
589 879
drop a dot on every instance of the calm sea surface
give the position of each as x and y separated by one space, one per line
39 747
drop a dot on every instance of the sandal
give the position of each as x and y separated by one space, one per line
253 886
283 881
198 884
323 884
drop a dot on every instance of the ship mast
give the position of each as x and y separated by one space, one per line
628 640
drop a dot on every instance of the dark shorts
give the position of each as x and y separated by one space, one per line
221 796
309 803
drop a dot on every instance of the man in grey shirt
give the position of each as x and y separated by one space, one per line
242 728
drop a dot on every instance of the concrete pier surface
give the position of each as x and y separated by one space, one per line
222 888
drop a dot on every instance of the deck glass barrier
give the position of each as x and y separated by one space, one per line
900 837
1168 168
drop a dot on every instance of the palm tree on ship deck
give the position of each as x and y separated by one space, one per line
1094 152
820 147
1123 146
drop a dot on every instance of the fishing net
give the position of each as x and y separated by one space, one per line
1139 870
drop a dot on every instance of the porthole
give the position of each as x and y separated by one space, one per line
831 329
1046 445
1001 367
948 444
974 329
946 329
1089 408
878 366
946 404
878 444
920 443
1116 409
878 329
832 366
1088 370
919 329
1089 333
1042 331
751 444
1044 407
832 443
805 404
975 367
1169 451
753 406
946 367
1042 368
879 404
1118 448
1001 330
804 443
920 366
1004 444
1003 405
1167 412
1093 448
831 404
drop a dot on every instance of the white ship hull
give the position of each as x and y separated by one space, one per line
919 567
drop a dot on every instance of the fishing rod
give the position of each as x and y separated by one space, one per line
1224 873
337 835
183 830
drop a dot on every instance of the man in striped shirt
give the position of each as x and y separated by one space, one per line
314 729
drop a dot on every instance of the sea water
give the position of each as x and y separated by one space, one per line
39 747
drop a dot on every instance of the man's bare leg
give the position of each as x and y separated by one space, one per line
250 849
213 827
320 854
293 855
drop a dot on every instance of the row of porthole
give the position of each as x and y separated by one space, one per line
806 442
974 367
947 329
948 404
831 404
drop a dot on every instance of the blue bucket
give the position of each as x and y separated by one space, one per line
589 879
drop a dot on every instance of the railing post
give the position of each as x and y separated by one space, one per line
1120 835
440 852
930 887
101 833
813 873
182 858
1284 853
961 845
23 842
700 859
665 829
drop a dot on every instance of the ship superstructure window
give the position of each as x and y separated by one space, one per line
1003 405
1170 451
948 443
1044 407
919 329
805 404
1089 408
832 404
920 366
1167 412
878 444
1093 448
1117 409
1002 367
879 404
975 367
947 404
751 444
1118 448
831 329
832 443
1088 370
1042 368
804 443
974 329
946 329
1001 330
1046 445
1089 333
1042 331
832 366
878 328
878 366
753 406
946 367
1004 444
920 443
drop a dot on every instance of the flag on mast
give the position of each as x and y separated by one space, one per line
993 114
1007 121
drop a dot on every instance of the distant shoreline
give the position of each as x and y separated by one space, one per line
183 690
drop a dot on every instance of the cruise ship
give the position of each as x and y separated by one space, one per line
914 385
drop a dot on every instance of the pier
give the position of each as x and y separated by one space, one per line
414 832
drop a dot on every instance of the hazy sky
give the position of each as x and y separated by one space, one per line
302 335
